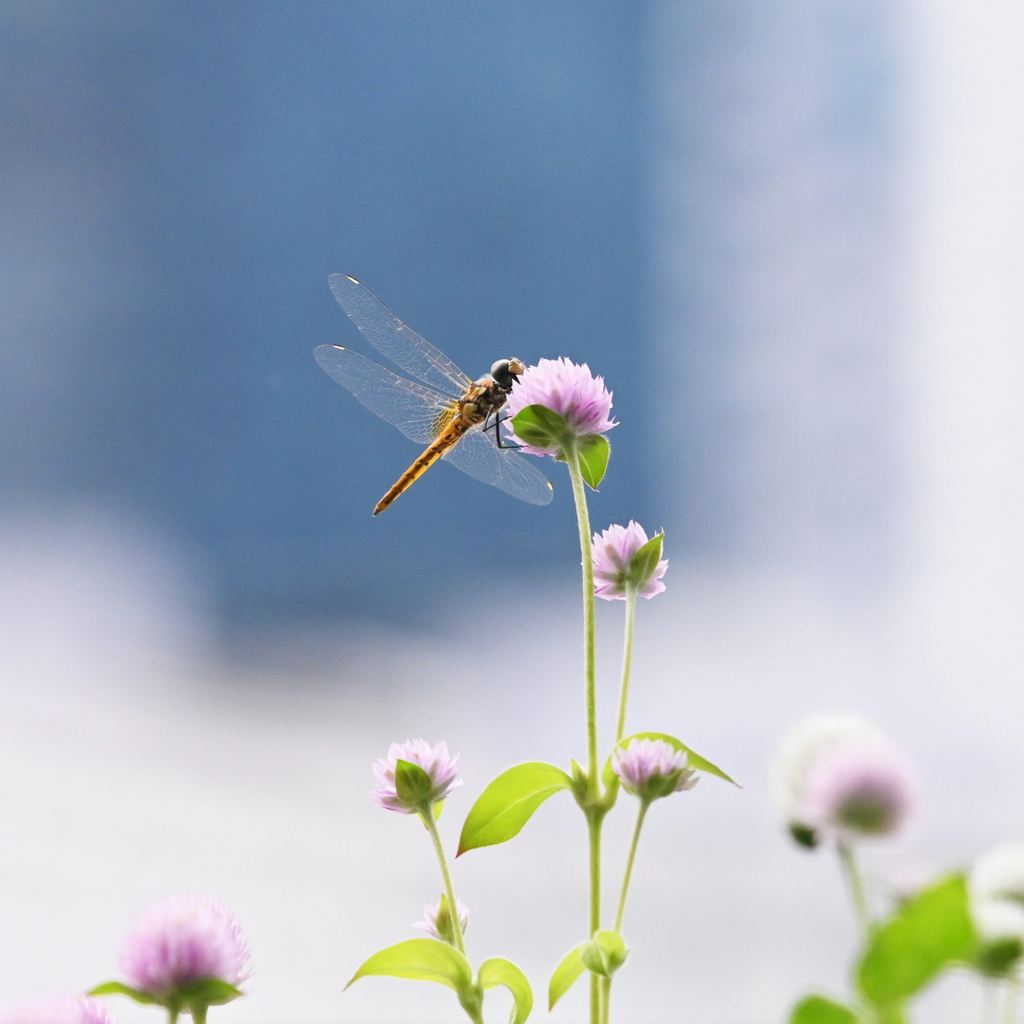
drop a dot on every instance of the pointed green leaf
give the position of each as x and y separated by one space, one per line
928 933
565 975
819 1010
208 992
594 452
645 561
421 960
115 988
503 972
694 759
507 804
540 426
412 783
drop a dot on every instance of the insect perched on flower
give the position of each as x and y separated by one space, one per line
457 418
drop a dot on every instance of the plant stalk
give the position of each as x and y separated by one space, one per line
627 659
848 859
594 816
453 908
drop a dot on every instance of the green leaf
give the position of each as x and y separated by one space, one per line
412 783
819 1010
693 759
565 975
925 935
115 988
605 953
997 958
208 992
503 972
645 561
594 452
541 427
421 960
507 804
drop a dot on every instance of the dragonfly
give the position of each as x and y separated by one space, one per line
457 418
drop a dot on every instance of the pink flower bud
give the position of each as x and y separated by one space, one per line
440 768
70 1009
181 940
618 568
571 391
651 769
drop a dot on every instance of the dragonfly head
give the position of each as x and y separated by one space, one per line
506 372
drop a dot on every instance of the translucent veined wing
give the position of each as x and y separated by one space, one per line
396 341
419 412
504 468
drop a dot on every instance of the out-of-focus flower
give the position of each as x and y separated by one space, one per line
572 392
441 771
437 920
69 1009
863 787
651 769
996 886
618 568
181 940
796 755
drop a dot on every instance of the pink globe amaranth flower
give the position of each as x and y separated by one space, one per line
651 769
64 1009
69 1009
435 761
615 569
862 787
570 390
442 929
184 939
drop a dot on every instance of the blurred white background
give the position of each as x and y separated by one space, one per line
869 397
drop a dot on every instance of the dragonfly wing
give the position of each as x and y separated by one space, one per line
419 412
396 341
504 468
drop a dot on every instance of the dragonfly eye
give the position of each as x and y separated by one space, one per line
506 372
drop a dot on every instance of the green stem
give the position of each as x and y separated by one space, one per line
172 1016
594 820
644 804
627 659
1010 1004
594 817
583 519
848 859
453 908
606 999
199 1014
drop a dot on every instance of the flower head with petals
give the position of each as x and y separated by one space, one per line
69 1009
181 940
617 567
796 755
863 787
441 771
651 769
437 920
570 391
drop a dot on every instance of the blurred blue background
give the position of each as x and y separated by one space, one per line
788 235
180 181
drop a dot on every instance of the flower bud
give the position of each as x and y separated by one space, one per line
565 403
414 776
651 769
626 561
70 1009
438 920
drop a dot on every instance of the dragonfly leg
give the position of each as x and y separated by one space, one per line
496 427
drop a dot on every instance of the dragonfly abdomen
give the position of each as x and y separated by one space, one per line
430 455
